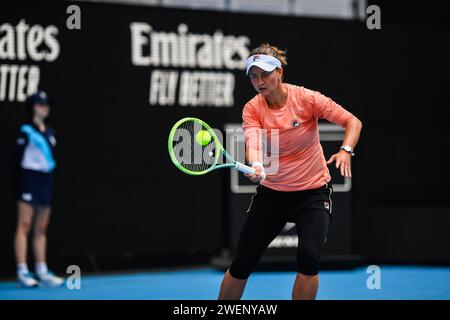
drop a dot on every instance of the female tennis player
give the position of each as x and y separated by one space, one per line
300 189
33 164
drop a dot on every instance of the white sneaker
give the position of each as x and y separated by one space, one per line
26 280
49 279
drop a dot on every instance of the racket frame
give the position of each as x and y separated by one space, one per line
219 150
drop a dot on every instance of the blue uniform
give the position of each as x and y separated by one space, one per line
33 165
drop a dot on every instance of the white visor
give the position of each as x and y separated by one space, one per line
263 61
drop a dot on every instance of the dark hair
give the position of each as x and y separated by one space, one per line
268 49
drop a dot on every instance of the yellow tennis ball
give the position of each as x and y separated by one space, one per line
203 137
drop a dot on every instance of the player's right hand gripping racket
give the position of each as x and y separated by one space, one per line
195 149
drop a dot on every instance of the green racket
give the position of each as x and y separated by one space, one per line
195 149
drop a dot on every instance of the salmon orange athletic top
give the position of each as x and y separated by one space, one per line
300 164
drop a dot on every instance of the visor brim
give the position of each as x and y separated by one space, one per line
263 65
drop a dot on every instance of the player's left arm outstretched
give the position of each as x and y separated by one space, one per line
352 132
326 108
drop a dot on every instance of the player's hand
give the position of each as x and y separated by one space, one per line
258 175
342 159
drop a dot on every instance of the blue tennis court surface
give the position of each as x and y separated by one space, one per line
396 283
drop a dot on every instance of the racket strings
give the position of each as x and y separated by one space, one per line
191 155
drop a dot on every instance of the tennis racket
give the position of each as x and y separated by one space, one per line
195 149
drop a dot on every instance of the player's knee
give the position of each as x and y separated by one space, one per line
24 226
308 260
40 229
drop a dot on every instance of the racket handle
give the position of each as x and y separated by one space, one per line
246 169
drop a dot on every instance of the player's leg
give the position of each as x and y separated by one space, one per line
231 288
258 231
305 287
312 227
24 222
40 233
45 276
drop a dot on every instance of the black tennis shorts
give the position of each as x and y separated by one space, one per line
34 187
268 213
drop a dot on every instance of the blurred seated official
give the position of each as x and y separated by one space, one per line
32 170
